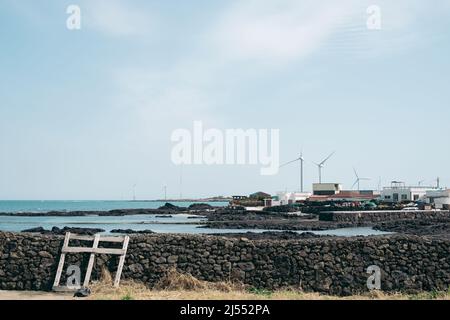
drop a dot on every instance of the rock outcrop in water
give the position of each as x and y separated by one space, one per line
130 231
170 207
200 206
63 231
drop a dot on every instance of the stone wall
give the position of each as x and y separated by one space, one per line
380 216
327 265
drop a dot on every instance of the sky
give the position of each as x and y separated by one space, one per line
87 114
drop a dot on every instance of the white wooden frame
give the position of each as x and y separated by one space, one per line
93 251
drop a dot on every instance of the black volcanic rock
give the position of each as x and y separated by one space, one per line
130 231
86 231
34 230
274 235
170 207
58 231
200 206
328 265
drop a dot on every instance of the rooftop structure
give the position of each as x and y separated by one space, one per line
326 189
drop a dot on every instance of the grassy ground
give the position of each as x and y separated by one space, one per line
176 286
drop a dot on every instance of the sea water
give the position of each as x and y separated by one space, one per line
179 223
82 205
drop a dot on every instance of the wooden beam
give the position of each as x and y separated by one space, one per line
91 262
121 262
102 239
61 261
93 250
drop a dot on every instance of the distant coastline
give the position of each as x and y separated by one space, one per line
190 200
67 206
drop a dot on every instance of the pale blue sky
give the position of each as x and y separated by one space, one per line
86 114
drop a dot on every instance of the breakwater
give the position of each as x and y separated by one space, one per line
328 265
358 217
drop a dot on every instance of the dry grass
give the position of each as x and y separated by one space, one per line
175 281
178 286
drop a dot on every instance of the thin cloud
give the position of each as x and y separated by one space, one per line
285 31
277 31
117 18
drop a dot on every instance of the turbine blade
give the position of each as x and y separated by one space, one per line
327 158
356 173
289 162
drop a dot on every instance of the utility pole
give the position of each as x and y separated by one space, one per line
181 182
301 176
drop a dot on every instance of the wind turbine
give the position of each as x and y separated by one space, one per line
321 165
134 192
181 181
358 179
302 160
165 192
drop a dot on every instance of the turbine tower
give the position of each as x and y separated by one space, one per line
134 192
181 182
302 160
321 165
358 179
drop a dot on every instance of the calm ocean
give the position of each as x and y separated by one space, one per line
46 206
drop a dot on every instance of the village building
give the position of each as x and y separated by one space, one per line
399 192
440 199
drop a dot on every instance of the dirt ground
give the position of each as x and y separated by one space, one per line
34 295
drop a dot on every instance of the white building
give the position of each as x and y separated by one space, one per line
440 198
285 198
399 192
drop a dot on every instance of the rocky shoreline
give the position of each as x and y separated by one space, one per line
436 224
111 213
287 225
273 235
167 209
439 228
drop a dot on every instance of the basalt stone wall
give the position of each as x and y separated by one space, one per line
327 265
380 216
